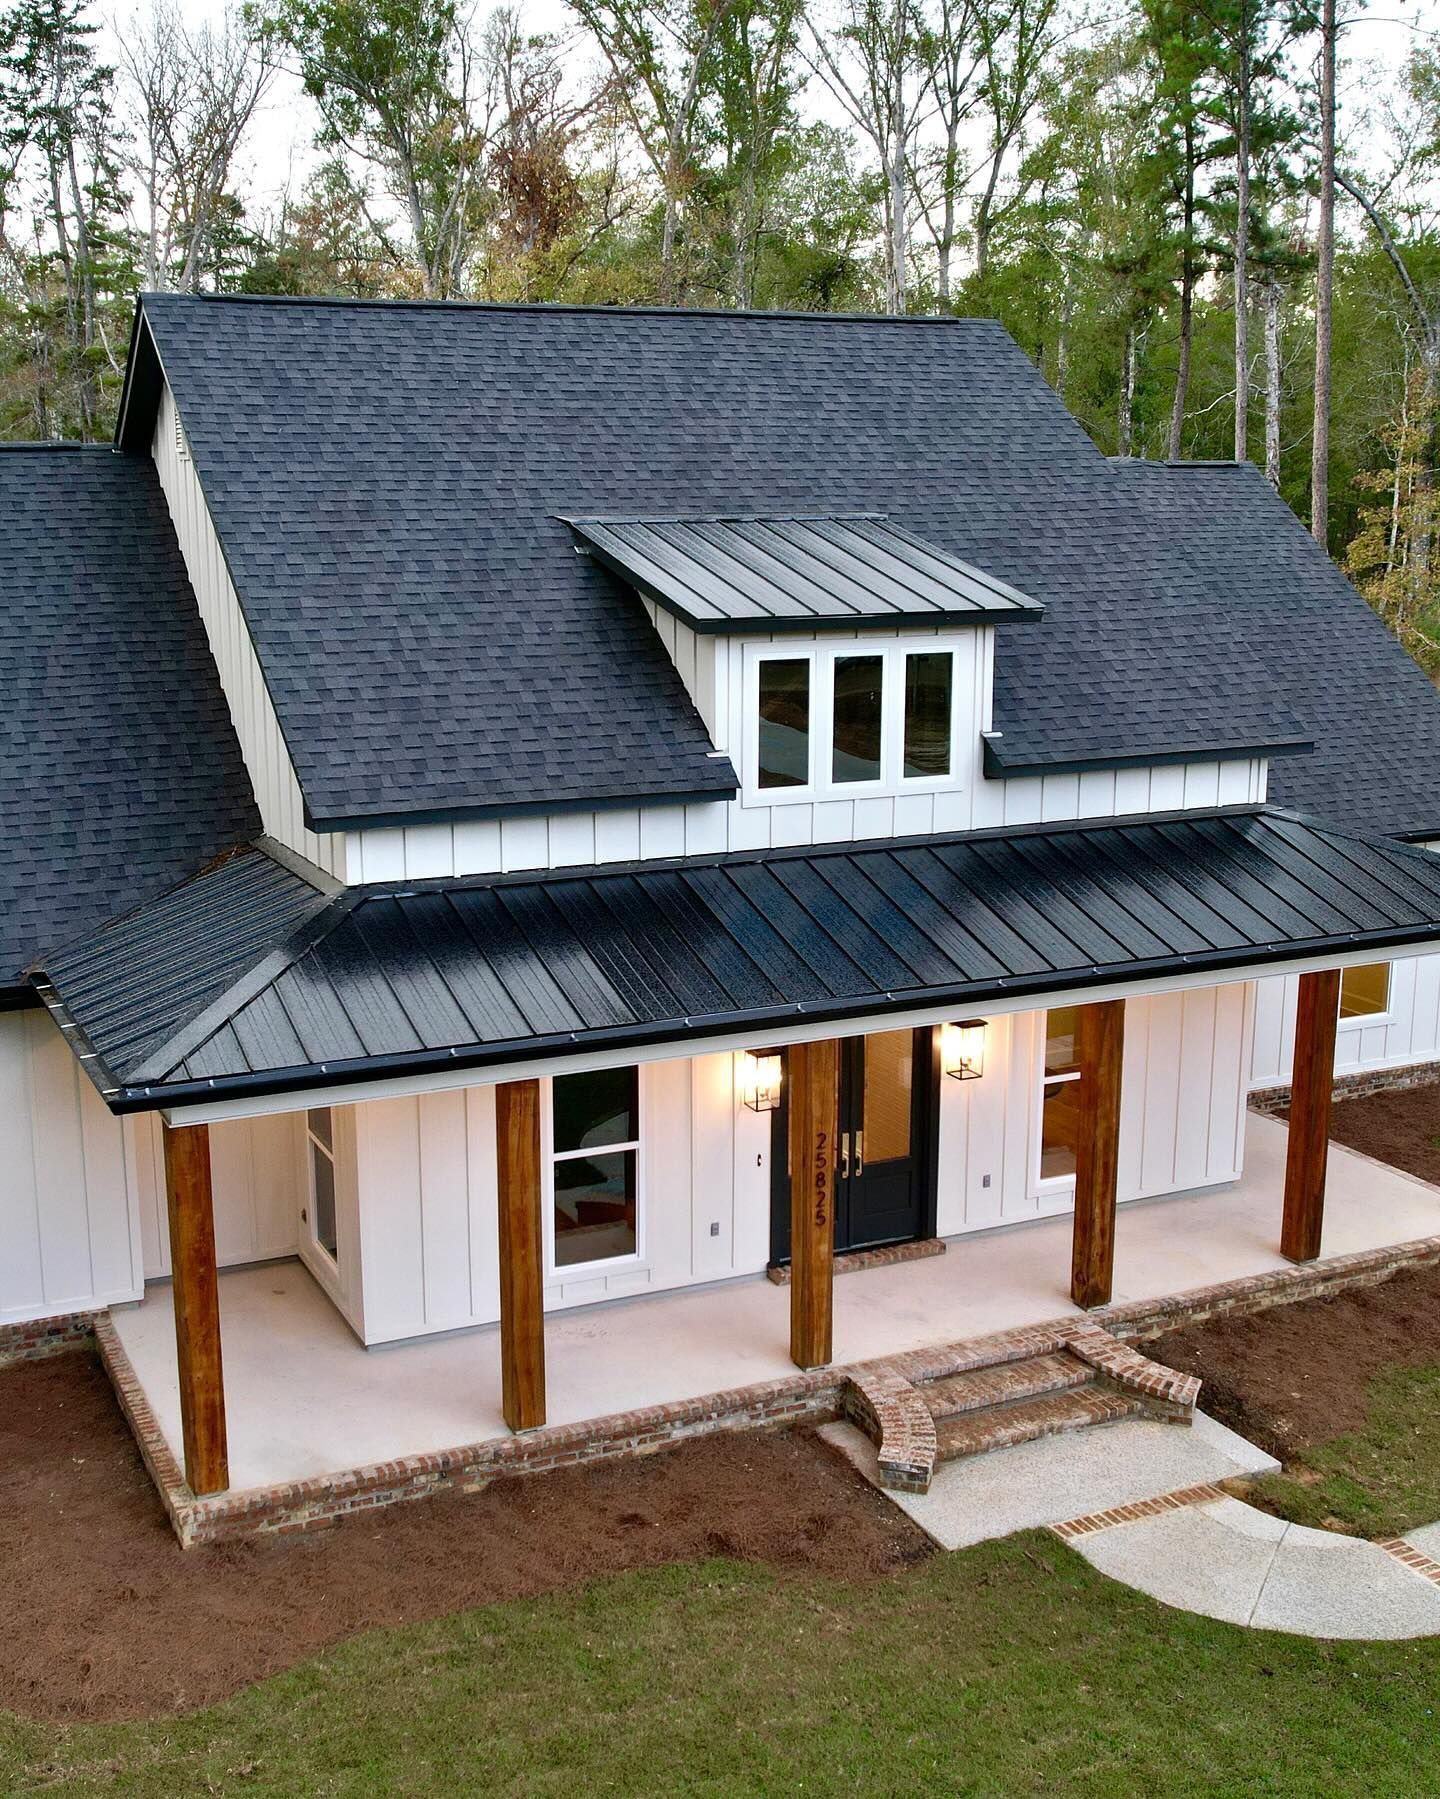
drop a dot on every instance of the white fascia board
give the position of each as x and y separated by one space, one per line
806 1030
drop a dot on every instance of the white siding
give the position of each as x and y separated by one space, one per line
427 1171
717 672
69 1222
258 1175
1409 1031
272 774
1181 1120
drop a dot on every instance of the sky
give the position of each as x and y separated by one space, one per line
280 153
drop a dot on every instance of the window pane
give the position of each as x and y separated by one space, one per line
889 1071
1060 1040
593 1109
319 1117
927 713
1365 991
594 1208
322 1176
856 754
1059 1124
784 723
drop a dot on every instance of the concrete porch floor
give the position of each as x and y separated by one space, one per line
303 1398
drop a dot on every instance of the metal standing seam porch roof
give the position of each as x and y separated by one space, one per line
803 573
381 981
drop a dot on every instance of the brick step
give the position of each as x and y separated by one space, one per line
1022 1421
1003 1383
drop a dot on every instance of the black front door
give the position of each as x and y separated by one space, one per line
885 1183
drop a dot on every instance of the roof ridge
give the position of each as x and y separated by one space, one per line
547 307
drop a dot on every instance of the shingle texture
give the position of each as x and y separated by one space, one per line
122 775
469 973
386 482
1373 715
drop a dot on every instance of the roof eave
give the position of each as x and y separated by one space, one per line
724 789
1000 767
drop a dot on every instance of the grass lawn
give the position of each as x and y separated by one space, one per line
1010 1669
1378 1481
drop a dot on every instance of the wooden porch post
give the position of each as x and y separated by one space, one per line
814 1077
1099 1048
522 1297
197 1306
1311 1081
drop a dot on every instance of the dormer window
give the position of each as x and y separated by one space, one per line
836 721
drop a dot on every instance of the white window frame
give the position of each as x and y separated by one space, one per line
892 782
330 1151
549 1156
1055 1185
1361 1021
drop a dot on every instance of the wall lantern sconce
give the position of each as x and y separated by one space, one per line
962 1049
760 1075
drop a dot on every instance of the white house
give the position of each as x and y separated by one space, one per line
517 808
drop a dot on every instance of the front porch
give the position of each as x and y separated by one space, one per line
304 1400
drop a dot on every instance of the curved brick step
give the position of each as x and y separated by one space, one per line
1004 1383
1002 1427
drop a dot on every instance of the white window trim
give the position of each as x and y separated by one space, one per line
330 1151
891 782
1048 1185
549 1156
1363 1021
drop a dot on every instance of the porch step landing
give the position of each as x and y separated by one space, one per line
1032 1385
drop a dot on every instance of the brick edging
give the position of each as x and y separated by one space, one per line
1164 1392
36 1338
818 1397
1277 1286
854 1261
1360 1085
1413 1558
1141 1508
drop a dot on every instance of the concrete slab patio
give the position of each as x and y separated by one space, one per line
304 1399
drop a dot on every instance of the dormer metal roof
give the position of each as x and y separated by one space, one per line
827 571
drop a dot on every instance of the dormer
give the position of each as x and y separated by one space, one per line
836 658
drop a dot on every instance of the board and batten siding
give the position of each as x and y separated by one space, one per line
1182 1110
267 759
82 1193
715 673
425 1194
1408 1033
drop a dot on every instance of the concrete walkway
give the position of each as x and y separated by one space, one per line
1183 1542
1226 1560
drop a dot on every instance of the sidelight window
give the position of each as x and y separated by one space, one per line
594 1155
320 1140
1059 1097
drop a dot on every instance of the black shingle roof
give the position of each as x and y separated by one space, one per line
387 480
447 975
1373 715
122 775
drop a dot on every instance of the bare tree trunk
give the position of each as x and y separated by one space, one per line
1242 239
1272 381
1062 342
1187 304
1324 284
1126 434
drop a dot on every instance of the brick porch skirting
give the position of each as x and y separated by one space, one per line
1355 1086
40 1337
814 1398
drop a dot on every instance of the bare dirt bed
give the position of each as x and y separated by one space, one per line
1400 1127
1298 1375
103 1616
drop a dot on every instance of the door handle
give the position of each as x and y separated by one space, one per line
845 1156
859 1154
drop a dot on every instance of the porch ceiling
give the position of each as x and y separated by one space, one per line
446 975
